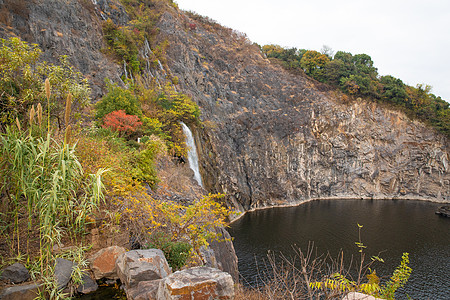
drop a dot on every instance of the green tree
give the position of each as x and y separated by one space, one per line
290 57
345 57
393 90
118 98
333 71
313 63
364 65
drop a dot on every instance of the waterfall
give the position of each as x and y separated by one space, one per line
192 153
160 65
125 69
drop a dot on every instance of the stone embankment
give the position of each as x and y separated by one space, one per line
144 274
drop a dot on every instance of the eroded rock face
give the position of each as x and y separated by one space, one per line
444 211
142 265
274 138
197 283
103 263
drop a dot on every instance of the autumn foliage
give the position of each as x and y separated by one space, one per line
119 121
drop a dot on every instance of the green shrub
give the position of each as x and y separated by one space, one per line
123 42
176 253
145 169
116 99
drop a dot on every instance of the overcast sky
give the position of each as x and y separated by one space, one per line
408 39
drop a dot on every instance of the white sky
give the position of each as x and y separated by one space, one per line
408 39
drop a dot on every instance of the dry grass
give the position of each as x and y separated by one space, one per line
244 293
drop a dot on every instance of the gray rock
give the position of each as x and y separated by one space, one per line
20 292
89 285
63 272
224 254
15 273
196 283
141 265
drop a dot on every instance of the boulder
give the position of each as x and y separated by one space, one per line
224 254
63 272
103 262
359 296
444 211
15 273
141 265
145 290
20 292
197 283
89 285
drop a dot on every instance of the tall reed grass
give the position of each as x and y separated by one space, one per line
44 174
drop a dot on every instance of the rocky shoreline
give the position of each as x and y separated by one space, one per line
144 274
298 203
444 211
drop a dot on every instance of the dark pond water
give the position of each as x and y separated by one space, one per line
389 226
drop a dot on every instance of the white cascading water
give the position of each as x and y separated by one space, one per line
192 153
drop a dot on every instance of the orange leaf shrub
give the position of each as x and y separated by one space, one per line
119 121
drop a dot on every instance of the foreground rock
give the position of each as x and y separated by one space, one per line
103 263
197 283
145 290
444 211
89 285
15 273
142 265
20 292
359 296
63 272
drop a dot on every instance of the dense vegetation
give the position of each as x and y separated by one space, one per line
356 76
59 177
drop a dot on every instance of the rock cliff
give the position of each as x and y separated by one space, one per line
275 138
269 137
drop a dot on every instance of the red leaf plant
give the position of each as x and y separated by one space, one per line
119 121
192 26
